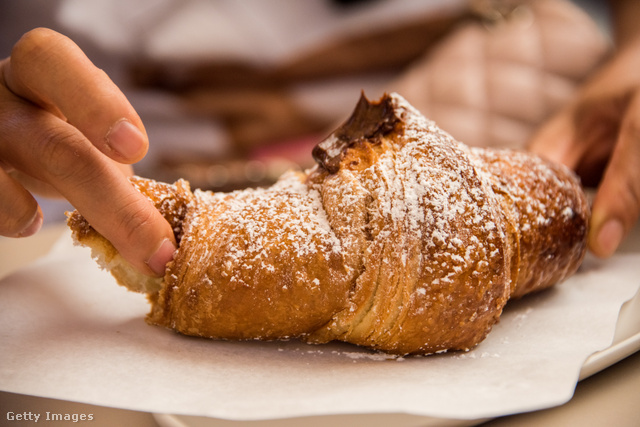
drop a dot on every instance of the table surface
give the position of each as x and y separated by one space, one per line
610 397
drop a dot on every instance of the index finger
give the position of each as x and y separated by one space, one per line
48 149
51 71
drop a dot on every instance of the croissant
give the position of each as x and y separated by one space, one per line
399 239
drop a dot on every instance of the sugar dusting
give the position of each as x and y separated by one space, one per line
295 208
442 253
528 186
431 215
548 209
426 185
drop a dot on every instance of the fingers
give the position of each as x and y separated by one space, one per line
616 206
36 186
59 116
51 71
20 215
50 150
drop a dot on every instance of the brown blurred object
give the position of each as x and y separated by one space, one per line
488 74
259 167
385 48
274 115
259 104
493 82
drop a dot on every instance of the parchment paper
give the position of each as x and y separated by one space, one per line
69 332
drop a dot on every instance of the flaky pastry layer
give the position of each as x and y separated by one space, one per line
400 239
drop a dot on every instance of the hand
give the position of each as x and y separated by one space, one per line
598 135
66 128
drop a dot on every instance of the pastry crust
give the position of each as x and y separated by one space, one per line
401 239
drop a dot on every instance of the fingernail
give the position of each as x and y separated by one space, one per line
610 236
158 261
126 139
35 226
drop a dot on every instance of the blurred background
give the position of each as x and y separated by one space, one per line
233 94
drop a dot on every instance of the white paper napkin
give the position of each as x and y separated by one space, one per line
69 332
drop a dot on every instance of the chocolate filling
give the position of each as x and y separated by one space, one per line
368 122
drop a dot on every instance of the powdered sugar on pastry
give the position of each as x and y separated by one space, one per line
435 252
401 239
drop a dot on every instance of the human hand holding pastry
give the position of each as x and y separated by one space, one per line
66 129
597 135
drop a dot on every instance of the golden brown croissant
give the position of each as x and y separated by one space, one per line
400 239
